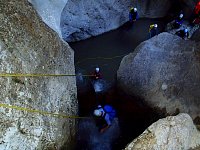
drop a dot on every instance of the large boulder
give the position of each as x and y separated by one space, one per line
171 133
28 46
165 72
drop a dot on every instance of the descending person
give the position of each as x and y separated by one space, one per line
96 75
133 14
183 33
153 30
178 21
107 114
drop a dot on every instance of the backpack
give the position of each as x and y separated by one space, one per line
108 110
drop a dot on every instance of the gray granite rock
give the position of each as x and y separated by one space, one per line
171 133
50 12
27 46
165 72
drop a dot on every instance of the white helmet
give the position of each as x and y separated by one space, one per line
185 30
97 112
135 9
181 15
97 69
155 25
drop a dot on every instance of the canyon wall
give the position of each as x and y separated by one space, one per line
28 46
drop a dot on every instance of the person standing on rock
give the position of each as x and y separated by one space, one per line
106 114
153 30
133 15
178 21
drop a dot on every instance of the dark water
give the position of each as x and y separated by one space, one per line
106 51
110 45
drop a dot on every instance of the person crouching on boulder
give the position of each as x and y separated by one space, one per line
183 33
153 30
107 114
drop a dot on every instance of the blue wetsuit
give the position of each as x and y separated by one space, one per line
108 113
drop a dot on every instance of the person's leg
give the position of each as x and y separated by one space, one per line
130 17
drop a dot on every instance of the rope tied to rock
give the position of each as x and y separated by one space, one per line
41 112
39 75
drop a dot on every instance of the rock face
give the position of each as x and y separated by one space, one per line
196 36
27 45
165 72
171 133
50 12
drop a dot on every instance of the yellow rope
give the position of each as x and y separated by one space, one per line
37 75
106 58
40 112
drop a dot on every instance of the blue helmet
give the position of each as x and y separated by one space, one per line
185 30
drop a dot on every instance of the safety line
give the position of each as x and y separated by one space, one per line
41 112
106 58
38 75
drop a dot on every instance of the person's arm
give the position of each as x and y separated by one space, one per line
107 119
104 128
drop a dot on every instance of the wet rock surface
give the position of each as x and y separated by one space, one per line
50 12
28 46
165 72
173 132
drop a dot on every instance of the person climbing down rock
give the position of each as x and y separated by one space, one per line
106 115
153 30
178 21
133 15
183 33
97 75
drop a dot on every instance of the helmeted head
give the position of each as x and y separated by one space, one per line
131 9
97 69
97 112
155 25
135 9
181 16
185 30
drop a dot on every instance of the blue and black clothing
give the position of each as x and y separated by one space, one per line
178 22
108 113
133 15
182 34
